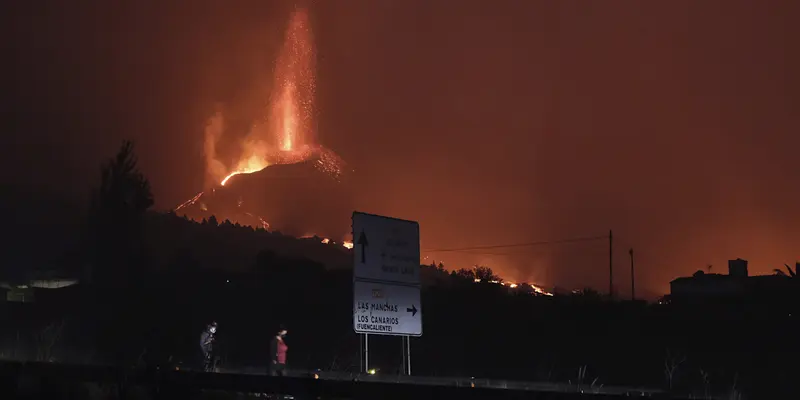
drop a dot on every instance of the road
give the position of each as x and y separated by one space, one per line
302 384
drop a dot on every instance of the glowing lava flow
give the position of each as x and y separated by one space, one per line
232 174
346 244
249 165
190 201
535 289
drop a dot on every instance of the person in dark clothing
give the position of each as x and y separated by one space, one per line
207 346
277 353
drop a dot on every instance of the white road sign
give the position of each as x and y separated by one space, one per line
386 309
385 249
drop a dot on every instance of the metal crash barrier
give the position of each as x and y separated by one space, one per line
20 379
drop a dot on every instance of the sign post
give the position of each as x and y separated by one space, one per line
408 354
386 278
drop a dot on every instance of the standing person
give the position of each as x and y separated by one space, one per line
277 353
207 346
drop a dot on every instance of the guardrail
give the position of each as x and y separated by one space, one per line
160 383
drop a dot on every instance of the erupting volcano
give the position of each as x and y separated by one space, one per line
280 171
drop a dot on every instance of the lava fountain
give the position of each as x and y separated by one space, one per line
286 134
293 110
283 134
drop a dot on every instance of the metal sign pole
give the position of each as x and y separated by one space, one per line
408 353
360 352
366 352
403 358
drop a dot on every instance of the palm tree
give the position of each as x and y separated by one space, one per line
791 274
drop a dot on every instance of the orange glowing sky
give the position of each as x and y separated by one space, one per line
489 122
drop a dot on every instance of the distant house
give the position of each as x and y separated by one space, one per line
24 290
736 283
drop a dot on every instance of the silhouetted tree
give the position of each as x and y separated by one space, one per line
116 215
116 225
464 273
485 274
588 295
264 259
439 268
212 220
482 273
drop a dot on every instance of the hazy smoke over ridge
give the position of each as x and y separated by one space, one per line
215 170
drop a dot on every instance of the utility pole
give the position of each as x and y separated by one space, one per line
610 264
633 281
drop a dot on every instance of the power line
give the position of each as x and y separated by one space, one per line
527 244
521 252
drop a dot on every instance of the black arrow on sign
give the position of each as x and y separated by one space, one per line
363 242
412 310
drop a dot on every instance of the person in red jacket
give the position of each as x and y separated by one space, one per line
278 350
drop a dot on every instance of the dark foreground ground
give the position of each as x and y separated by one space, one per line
59 381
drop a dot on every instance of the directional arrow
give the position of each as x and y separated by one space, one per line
363 242
412 310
